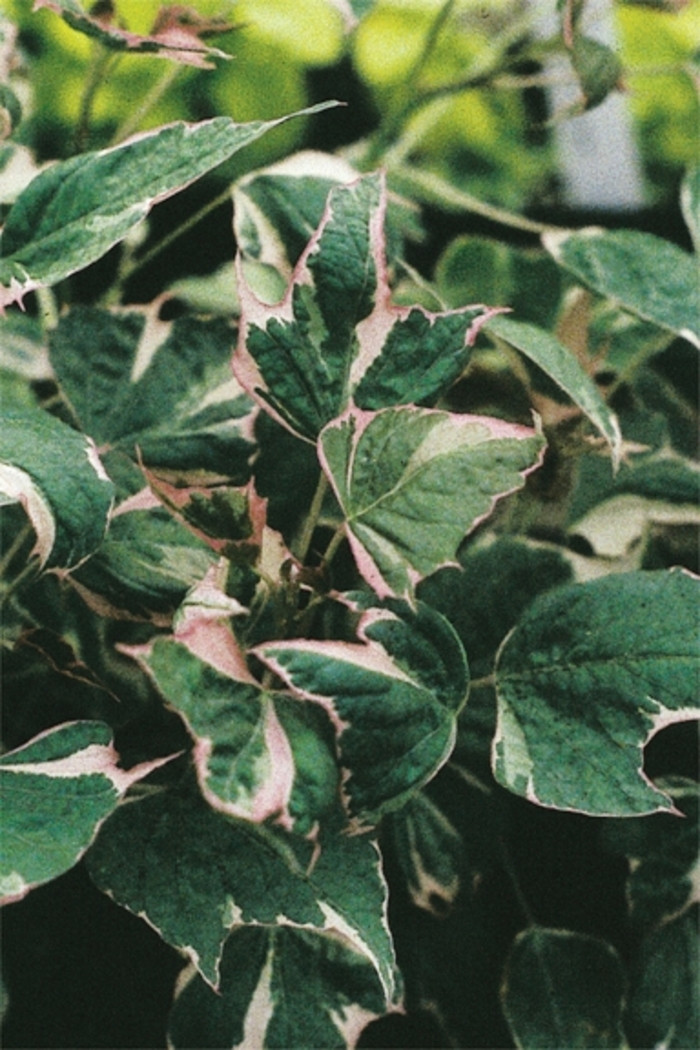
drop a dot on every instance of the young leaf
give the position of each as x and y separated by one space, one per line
394 700
336 337
195 874
643 274
76 210
57 790
563 989
258 755
598 69
175 35
412 482
279 988
561 366
55 473
166 388
589 674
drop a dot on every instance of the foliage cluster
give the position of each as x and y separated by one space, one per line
342 594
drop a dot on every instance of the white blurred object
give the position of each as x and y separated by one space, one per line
599 158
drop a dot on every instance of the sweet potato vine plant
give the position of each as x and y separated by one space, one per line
301 581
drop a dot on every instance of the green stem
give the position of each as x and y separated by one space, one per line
28 573
336 540
406 93
432 189
132 122
302 547
188 224
100 62
17 543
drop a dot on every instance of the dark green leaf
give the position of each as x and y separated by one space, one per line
563 989
589 674
279 988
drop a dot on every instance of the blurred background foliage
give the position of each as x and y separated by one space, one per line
493 140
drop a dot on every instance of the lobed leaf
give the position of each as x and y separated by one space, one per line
646 275
412 482
562 366
56 474
195 874
335 337
166 388
258 755
280 987
76 210
57 789
563 989
393 700
588 675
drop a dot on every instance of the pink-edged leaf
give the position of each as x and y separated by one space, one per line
258 755
393 700
335 336
76 210
57 789
176 33
412 482
225 870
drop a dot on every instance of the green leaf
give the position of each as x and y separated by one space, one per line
664 1001
563 989
76 210
167 389
335 335
195 874
430 852
175 35
589 674
258 755
663 855
56 474
57 789
690 203
144 568
412 482
279 988
646 275
598 68
561 365
394 700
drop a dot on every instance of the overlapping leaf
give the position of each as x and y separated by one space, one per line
561 365
280 987
56 474
258 755
429 851
412 482
76 210
690 203
336 337
134 381
195 874
394 700
176 33
57 790
564 989
646 275
588 675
